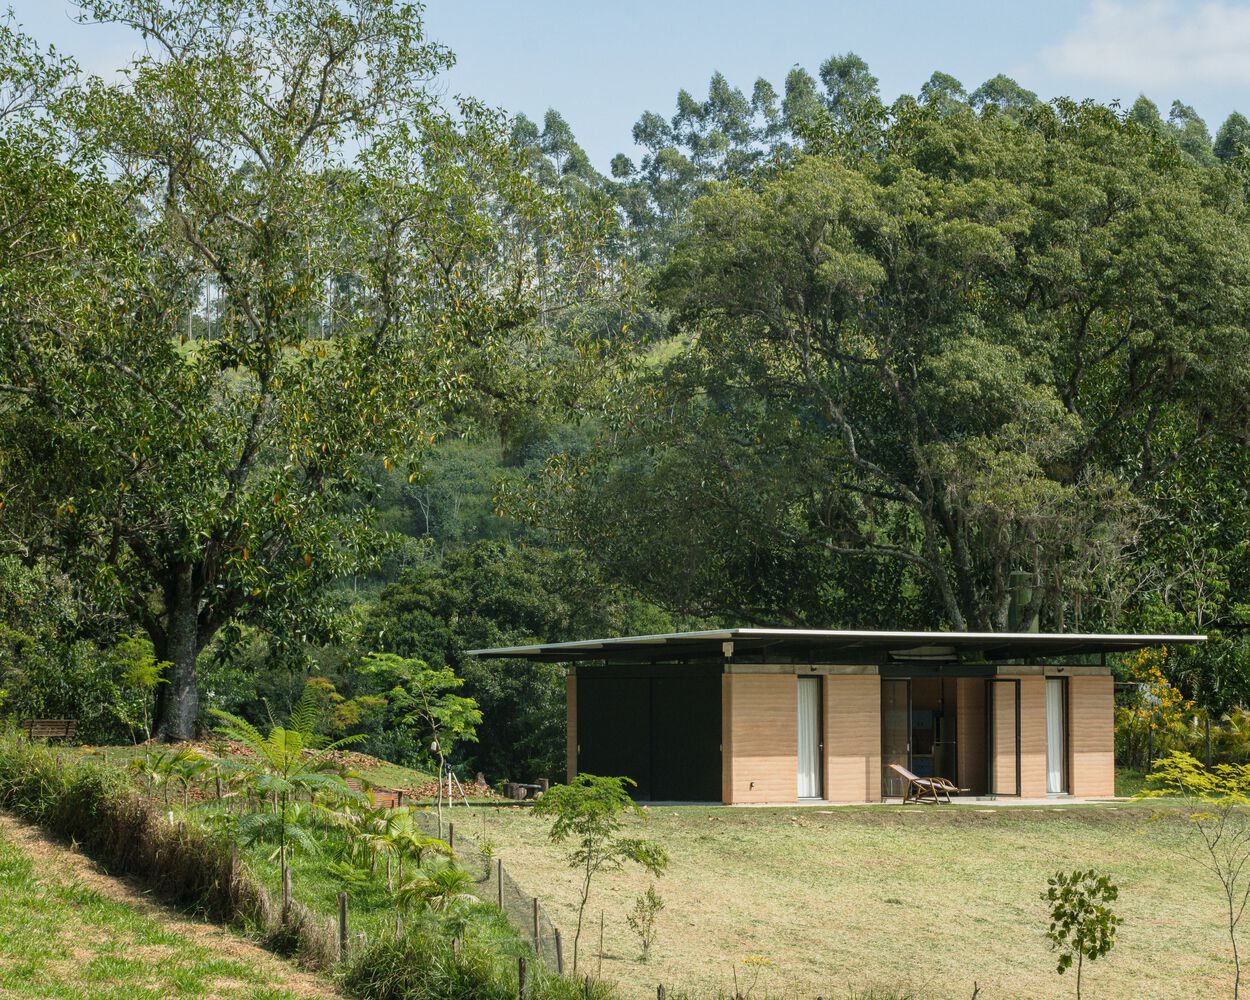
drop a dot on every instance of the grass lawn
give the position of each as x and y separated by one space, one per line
824 901
70 932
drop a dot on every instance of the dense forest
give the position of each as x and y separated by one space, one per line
300 362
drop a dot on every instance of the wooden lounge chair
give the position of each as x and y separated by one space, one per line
920 789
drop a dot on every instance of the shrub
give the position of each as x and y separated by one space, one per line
424 964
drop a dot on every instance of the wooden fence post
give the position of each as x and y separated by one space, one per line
537 937
342 926
588 989
499 873
559 954
659 992
451 835
520 977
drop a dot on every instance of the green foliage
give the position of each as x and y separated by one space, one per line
588 814
423 964
1218 803
905 379
287 763
307 285
425 700
1082 924
497 594
140 671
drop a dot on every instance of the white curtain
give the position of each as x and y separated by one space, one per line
1054 735
809 737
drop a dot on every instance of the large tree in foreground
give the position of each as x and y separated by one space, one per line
928 372
260 266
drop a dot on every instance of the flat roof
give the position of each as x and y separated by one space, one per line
827 645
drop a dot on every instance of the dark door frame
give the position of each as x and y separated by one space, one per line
992 782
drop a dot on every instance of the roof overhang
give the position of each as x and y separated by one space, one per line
833 646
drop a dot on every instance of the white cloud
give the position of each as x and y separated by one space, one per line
1156 43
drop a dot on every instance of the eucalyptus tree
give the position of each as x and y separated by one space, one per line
1233 138
365 256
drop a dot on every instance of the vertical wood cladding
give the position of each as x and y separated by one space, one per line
764 738
1091 735
852 738
1032 739
970 733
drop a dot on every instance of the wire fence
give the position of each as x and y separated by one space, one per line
495 884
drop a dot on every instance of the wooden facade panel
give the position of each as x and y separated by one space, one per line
1033 736
852 733
970 734
763 738
1091 731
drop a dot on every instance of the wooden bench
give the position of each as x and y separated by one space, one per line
49 729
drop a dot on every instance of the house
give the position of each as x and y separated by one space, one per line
784 715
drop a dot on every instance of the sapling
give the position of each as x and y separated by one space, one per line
589 811
1082 925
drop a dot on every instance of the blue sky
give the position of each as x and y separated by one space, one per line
603 64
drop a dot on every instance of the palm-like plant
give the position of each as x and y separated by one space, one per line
288 764
163 768
442 889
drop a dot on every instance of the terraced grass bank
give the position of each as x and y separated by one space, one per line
70 932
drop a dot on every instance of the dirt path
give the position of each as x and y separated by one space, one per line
65 863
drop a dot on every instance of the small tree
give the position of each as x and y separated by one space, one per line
141 672
1217 799
1081 923
643 917
288 762
589 812
426 699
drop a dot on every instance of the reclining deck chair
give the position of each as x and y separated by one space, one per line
933 789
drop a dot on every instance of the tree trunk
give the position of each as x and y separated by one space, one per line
178 700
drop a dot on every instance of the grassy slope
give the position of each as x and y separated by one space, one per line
65 939
377 771
933 897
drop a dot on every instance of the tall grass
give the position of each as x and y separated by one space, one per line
98 809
